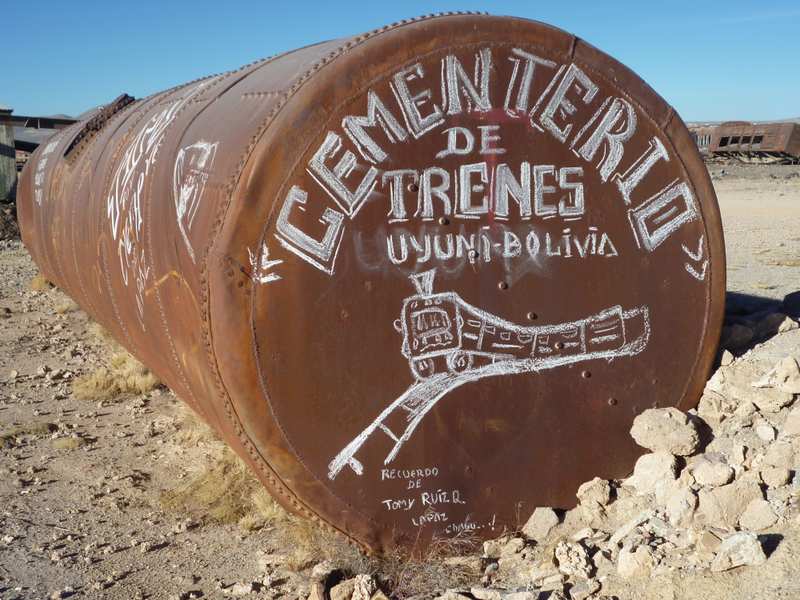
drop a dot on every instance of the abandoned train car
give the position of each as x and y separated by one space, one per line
751 142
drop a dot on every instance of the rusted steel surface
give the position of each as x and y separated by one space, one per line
421 279
767 142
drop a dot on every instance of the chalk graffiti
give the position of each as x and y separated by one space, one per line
124 201
39 175
192 170
260 266
600 131
449 342
696 257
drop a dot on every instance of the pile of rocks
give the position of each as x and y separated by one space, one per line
717 480
716 484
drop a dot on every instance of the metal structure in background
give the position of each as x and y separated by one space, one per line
421 279
751 142
8 170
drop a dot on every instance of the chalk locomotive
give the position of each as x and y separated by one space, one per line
443 333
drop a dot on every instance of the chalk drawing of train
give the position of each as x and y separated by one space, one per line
443 333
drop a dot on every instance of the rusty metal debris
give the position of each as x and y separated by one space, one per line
751 142
421 279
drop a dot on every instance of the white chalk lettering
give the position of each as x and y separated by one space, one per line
452 142
418 124
631 178
320 253
559 105
476 89
377 114
530 61
619 115
333 180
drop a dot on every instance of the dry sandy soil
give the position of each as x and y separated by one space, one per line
109 489
760 208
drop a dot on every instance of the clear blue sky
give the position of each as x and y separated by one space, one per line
711 59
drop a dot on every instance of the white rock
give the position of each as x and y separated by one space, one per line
788 324
765 431
573 560
757 516
522 595
770 400
543 571
584 589
738 550
780 454
634 562
680 507
708 541
453 595
603 564
364 588
775 477
738 455
596 492
665 430
343 590
715 407
650 470
721 507
712 473
317 591
726 359
627 528
241 589
540 523
482 593
791 427
787 375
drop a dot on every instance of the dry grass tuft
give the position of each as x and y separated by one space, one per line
225 492
101 334
191 430
123 375
788 262
34 429
68 443
446 564
67 306
39 283
439 568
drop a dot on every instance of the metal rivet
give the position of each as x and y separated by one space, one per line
532 316
503 285
612 401
413 187
444 221
558 346
472 254
586 374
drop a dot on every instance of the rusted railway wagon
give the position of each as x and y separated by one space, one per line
751 142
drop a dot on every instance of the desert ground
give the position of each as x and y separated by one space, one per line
109 488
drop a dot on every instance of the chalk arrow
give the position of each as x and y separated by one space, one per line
696 257
261 268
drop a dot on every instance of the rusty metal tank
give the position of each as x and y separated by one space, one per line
421 279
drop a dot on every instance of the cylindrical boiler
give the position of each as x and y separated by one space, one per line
421 279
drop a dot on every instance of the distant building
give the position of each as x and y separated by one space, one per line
19 137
